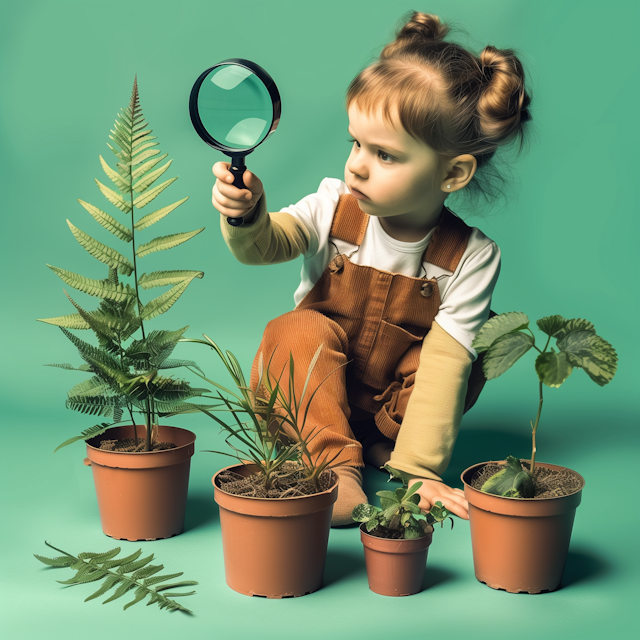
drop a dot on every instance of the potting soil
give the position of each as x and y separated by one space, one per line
129 445
548 483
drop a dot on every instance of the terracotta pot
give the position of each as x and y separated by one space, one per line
142 496
274 547
520 545
395 567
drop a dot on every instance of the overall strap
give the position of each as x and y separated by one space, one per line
449 241
349 221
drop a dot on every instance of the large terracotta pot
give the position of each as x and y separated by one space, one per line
274 547
395 567
142 496
520 545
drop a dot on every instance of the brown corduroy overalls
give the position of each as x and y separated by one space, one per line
374 320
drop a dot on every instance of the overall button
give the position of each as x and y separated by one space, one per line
427 289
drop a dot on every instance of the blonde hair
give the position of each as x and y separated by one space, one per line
446 96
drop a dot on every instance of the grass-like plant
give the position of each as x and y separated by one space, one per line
126 375
125 573
399 515
505 338
267 431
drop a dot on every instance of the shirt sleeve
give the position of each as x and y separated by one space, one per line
269 239
432 418
466 301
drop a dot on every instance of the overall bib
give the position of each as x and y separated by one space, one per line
372 324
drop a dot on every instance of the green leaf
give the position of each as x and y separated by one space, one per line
148 196
575 324
114 176
97 288
92 387
364 512
412 533
552 368
114 198
164 302
102 252
110 582
497 327
145 155
157 215
592 353
72 321
166 242
93 406
146 181
147 166
65 365
109 223
398 475
61 561
504 352
165 278
96 430
551 324
512 480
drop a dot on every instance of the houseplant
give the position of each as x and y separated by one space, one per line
521 512
396 538
276 503
126 379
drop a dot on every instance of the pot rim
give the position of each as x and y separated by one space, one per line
268 500
524 500
138 453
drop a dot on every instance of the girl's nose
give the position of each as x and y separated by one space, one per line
356 165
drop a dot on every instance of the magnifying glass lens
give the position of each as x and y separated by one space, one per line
235 107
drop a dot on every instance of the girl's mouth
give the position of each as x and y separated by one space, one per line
358 195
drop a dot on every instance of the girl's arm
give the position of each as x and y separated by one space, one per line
432 418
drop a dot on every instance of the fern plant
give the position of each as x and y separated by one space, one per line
399 515
125 371
505 338
126 574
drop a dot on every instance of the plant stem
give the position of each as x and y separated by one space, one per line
147 443
533 433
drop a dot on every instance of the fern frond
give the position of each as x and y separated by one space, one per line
115 177
107 337
114 198
148 196
145 146
153 217
166 278
102 252
72 321
109 223
145 182
147 166
156 347
142 157
87 434
174 364
92 387
82 367
93 406
166 242
97 288
164 302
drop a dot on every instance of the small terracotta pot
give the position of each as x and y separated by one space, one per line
142 496
519 544
395 567
274 547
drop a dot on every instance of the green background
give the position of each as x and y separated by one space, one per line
568 234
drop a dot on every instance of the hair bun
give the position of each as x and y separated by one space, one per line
423 26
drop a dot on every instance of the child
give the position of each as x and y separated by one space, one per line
393 283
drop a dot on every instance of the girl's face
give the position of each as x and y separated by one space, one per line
394 176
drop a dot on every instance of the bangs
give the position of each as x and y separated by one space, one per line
402 91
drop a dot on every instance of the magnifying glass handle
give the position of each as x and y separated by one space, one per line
238 168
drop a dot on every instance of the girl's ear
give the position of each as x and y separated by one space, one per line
461 170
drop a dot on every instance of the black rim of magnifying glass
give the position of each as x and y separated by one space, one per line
268 82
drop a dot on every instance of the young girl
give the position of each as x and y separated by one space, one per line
393 282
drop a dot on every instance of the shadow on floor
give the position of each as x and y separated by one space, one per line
201 511
584 566
435 576
341 564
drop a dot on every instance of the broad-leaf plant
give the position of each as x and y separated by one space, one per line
399 515
505 338
127 364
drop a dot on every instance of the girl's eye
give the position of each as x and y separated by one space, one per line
353 141
385 157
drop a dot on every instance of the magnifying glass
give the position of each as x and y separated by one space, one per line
234 107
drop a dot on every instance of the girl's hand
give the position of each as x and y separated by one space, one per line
229 200
431 491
